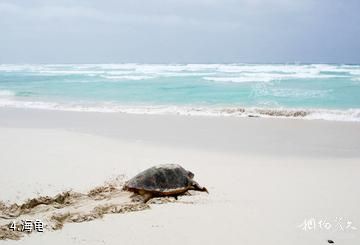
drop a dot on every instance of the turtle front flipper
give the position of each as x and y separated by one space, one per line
196 187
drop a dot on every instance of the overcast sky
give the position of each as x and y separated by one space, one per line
179 31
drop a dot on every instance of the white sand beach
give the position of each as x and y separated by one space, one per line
264 176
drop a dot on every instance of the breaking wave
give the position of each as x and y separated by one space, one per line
125 77
211 72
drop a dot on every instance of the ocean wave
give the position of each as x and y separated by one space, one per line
259 91
237 73
245 79
134 77
69 72
154 68
352 115
268 77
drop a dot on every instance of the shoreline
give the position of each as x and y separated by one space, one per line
333 114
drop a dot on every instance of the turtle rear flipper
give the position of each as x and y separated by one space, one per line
141 196
146 195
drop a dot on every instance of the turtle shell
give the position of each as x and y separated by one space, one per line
161 179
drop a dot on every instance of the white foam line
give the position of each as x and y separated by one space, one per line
6 93
308 114
127 77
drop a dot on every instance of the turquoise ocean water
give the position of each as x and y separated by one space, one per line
309 91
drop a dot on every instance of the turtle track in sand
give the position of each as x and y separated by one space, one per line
68 207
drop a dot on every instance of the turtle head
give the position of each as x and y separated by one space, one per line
204 189
190 175
195 186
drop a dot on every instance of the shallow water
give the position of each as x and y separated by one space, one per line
311 91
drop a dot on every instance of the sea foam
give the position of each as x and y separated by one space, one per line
351 115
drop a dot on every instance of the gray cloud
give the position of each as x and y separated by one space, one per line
36 31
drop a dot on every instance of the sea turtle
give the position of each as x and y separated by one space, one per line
163 180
